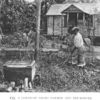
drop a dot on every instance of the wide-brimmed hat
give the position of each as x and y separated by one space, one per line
75 28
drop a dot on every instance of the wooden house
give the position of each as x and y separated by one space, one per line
84 15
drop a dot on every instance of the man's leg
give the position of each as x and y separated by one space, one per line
81 58
75 57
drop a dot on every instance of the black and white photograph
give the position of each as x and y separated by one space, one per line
49 46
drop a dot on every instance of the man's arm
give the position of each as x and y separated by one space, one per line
73 49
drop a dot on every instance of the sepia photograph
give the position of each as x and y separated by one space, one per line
50 46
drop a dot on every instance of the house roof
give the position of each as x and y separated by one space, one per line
89 8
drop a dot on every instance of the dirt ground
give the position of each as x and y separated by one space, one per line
68 78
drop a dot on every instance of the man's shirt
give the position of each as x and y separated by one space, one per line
78 40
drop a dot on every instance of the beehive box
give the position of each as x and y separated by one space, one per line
17 70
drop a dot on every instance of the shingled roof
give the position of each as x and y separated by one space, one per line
89 8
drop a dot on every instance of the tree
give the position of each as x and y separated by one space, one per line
45 5
17 15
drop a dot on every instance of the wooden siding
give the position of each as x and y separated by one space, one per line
57 25
54 25
97 25
50 25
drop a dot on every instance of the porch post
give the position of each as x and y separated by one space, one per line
61 24
84 19
77 18
53 25
93 21
93 26
67 18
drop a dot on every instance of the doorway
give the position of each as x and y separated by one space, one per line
72 19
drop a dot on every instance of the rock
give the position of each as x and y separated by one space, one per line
12 84
98 90
9 89
17 89
30 85
88 41
98 57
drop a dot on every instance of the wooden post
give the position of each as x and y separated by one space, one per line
53 31
77 18
84 19
93 21
53 26
93 35
93 29
38 29
61 25
83 28
37 42
67 19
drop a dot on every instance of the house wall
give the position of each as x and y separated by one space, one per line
64 29
64 32
57 25
93 30
97 25
54 25
50 25
83 30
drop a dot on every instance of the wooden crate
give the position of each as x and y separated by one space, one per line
17 71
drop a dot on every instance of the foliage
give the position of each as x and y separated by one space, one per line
17 15
19 40
46 5
66 77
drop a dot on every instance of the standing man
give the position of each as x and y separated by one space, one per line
79 48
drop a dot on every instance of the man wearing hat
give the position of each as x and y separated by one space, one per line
79 57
